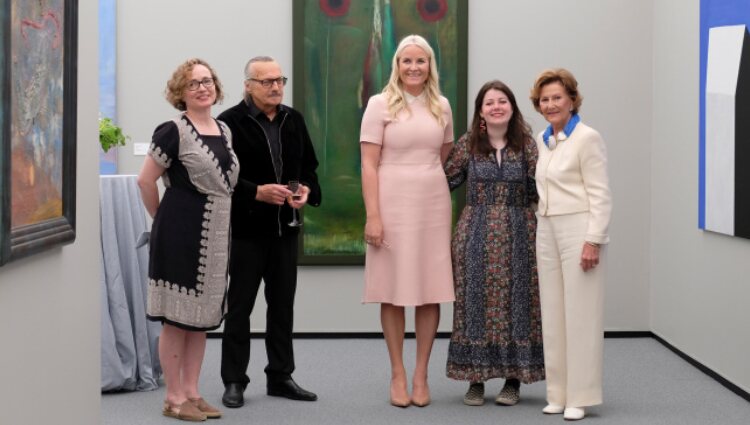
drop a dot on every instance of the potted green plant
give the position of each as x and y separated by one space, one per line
110 135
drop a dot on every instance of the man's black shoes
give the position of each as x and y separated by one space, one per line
233 395
289 389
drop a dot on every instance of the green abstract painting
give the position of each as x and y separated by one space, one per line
342 55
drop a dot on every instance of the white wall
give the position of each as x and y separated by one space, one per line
49 303
153 38
606 44
699 280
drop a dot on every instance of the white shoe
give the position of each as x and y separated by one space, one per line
553 409
574 413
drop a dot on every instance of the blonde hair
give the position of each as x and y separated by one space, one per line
394 91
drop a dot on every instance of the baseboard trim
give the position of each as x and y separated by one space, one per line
333 335
379 335
444 335
628 334
703 368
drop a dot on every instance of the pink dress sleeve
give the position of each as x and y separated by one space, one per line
373 120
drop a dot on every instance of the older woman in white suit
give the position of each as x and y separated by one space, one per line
573 220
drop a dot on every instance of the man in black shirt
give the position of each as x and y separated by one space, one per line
273 147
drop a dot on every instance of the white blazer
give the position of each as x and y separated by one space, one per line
572 178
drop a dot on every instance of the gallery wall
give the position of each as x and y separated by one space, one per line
700 281
606 44
49 303
639 76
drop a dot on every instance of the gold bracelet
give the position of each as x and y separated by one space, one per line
595 245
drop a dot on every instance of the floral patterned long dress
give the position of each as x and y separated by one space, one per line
497 326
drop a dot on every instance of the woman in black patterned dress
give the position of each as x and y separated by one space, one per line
497 330
190 235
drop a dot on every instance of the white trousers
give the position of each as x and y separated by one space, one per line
572 304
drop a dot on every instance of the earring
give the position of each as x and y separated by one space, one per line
482 126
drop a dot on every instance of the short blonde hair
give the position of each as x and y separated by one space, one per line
558 75
394 91
180 77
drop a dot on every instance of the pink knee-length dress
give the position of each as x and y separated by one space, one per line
413 267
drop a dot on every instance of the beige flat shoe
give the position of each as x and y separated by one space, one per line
184 412
208 410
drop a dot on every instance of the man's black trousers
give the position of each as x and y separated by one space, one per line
273 260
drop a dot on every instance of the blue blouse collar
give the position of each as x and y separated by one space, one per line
569 127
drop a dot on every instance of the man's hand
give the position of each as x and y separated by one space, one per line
300 202
274 194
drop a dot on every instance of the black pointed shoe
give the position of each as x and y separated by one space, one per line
289 389
233 395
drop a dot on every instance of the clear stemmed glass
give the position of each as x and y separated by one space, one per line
293 185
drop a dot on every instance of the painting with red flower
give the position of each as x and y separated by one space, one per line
432 10
335 8
342 56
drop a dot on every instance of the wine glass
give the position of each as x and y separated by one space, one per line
293 186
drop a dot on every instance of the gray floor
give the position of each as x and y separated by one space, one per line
644 383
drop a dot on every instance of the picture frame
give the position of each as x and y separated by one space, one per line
723 193
342 52
38 83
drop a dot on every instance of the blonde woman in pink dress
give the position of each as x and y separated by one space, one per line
406 135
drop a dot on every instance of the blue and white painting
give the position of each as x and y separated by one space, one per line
724 196
107 76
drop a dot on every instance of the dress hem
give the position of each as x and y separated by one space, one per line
163 320
403 304
526 376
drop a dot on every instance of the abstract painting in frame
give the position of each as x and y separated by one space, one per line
724 176
108 77
37 159
342 56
